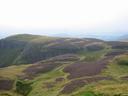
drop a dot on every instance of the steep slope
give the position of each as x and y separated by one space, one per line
11 48
25 49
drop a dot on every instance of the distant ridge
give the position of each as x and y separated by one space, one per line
124 38
26 48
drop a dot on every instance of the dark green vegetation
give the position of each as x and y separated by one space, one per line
32 65
23 87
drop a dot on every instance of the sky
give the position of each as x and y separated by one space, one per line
63 16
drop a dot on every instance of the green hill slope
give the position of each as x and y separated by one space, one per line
24 49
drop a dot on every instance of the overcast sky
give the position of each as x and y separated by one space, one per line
41 16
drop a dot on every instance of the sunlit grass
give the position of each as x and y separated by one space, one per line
12 72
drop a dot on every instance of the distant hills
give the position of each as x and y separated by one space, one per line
102 36
123 38
107 36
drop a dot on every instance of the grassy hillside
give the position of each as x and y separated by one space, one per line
65 67
26 49
20 48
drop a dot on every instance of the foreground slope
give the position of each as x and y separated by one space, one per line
85 67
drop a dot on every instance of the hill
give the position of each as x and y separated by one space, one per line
25 49
47 66
123 38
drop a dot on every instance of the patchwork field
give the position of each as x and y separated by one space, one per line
46 66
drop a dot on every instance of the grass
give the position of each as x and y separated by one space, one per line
116 70
39 86
84 91
112 88
11 72
102 88
9 93
88 94
9 55
12 49
23 37
93 55
116 87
